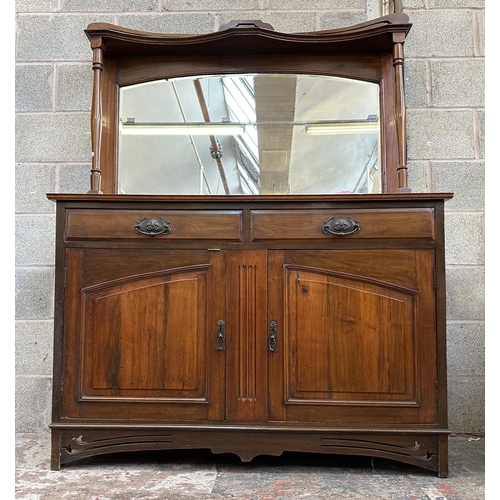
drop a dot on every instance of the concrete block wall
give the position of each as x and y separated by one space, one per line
445 93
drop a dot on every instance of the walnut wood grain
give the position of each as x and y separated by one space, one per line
329 299
142 283
298 224
141 334
360 329
400 105
184 224
246 362
96 123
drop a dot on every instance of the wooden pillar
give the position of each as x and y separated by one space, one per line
96 116
400 108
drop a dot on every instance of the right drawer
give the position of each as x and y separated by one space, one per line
336 223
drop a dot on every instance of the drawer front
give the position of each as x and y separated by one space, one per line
324 224
145 224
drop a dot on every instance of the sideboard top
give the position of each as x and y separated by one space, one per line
365 198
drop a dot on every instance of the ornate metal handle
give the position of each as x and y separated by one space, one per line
341 226
273 333
152 226
221 336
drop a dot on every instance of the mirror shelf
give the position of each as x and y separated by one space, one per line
249 110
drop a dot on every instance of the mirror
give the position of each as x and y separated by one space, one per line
250 134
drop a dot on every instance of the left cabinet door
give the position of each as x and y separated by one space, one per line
140 335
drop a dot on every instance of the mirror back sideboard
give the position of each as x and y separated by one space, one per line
245 310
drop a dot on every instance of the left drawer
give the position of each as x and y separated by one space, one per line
141 224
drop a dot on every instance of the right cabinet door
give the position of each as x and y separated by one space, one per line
356 341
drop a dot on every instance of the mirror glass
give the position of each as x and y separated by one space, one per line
250 134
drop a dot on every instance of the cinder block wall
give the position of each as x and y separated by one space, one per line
445 97
444 76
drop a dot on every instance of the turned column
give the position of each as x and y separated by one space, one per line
400 108
96 116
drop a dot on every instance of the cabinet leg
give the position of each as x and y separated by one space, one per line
55 458
443 456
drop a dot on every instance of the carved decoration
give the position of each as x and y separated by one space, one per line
247 324
152 226
89 444
341 226
76 446
411 452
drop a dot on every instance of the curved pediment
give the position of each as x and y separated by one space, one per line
250 37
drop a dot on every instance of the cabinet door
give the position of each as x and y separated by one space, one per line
140 335
357 337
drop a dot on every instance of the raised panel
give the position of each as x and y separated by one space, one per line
348 339
150 331
357 336
141 345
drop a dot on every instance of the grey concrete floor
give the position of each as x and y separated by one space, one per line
185 475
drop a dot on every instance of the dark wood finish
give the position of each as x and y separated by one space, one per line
309 224
371 51
246 353
96 124
141 332
398 62
359 356
250 324
184 224
352 338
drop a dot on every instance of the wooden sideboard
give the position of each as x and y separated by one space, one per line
264 319
251 325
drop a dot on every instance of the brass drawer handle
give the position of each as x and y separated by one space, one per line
152 226
341 226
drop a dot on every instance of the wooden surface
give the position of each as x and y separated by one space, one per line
243 324
359 338
184 224
370 51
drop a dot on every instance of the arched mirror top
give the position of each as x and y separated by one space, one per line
249 110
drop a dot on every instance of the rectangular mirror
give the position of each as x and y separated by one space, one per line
254 133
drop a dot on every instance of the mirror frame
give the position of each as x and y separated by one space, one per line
370 51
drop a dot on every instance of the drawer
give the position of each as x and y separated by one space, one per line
145 224
324 224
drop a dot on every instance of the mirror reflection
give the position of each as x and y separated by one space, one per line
250 134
